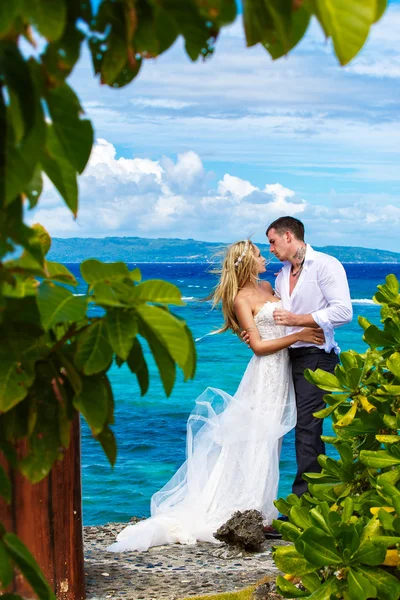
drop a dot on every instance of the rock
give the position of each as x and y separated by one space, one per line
243 530
265 590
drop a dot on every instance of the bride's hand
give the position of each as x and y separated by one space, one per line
311 335
246 337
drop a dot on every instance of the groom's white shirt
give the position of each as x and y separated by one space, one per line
322 291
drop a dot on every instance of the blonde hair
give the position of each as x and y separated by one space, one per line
234 275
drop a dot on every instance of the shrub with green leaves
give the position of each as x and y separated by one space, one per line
346 529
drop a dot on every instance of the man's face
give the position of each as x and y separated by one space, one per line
279 245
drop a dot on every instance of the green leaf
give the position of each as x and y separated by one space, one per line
257 21
323 380
326 590
108 443
48 16
288 560
157 290
8 14
369 554
122 328
6 568
59 170
33 189
57 304
378 459
93 271
387 586
58 272
93 351
28 566
348 24
376 338
360 588
287 589
381 6
311 582
15 380
318 548
393 363
69 369
5 485
164 362
94 401
75 134
138 366
347 419
299 516
169 330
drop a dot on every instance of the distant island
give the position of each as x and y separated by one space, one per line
170 250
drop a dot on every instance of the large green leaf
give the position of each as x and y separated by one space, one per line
94 401
59 169
164 361
8 13
137 365
57 305
93 352
48 16
15 380
323 380
288 589
378 459
288 560
122 328
372 554
318 548
94 271
108 443
6 568
169 330
393 363
28 566
376 338
327 589
75 134
348 24
159 291
387 585
58 272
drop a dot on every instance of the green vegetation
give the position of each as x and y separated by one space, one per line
346 530
55 349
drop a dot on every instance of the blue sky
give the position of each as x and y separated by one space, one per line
215 150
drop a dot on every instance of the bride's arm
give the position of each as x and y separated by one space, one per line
261 347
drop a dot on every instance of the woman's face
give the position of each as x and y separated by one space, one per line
260 260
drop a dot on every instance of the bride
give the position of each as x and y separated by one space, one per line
233 442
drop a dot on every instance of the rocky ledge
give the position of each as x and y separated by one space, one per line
169 572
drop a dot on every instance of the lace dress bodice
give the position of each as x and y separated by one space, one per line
265 322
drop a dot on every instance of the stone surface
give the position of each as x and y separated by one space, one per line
243 530
168 572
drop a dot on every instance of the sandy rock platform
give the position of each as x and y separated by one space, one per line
168 572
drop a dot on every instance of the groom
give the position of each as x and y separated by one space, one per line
314 292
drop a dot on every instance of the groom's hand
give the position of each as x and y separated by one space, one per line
246 337
285 317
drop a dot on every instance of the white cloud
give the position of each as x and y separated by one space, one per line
153 198
161 103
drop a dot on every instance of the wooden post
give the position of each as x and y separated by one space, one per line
47 516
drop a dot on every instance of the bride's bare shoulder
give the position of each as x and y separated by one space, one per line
242 299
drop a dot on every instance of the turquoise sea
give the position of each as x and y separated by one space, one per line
151 430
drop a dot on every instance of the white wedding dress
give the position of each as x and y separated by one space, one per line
233 445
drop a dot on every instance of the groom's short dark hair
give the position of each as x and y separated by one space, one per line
288 224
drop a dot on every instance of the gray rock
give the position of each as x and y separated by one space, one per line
265 590
243 530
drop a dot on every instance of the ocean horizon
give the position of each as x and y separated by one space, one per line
151 430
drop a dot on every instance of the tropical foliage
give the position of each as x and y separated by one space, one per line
346 529
56 347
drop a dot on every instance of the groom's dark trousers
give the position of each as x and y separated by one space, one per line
309 399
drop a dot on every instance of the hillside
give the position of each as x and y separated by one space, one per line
135 249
